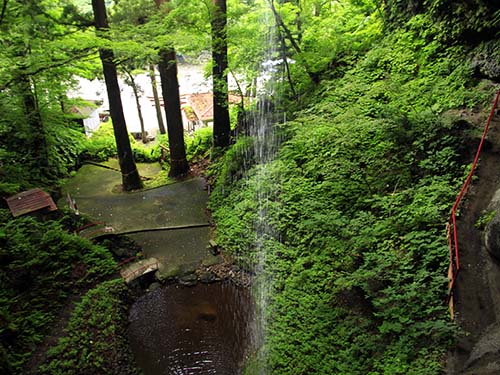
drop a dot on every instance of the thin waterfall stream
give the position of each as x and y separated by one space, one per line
220 327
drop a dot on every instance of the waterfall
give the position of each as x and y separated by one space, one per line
265 146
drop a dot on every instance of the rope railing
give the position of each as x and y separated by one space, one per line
452 232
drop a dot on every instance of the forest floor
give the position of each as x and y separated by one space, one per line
477 291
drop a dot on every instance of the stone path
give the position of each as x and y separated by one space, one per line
178 251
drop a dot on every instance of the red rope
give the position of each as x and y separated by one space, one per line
452 223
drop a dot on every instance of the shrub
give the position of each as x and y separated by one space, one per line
42 265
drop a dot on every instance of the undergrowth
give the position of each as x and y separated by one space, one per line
94 341
355 206
42 265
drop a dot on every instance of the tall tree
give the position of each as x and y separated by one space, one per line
222 125
38 146
172 104
130 176
154 87
130 80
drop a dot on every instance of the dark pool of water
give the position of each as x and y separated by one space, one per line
198 330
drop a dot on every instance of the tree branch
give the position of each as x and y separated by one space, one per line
288 34
4 9
287 67
55 64
280 23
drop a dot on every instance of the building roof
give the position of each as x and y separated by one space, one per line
30 201
85 108
203 104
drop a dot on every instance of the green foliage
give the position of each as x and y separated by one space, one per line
95 337
485 219
199 144
101 145
42 265
231 167
457 21
350 217
41 49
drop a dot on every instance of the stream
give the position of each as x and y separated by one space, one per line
191 330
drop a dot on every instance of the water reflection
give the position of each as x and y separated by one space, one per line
198 330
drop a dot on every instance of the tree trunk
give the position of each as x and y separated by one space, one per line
130 176
172 104
222 125
133 84
38 142
287 66
315 77
154 86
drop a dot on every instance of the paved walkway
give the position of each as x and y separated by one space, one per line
183 203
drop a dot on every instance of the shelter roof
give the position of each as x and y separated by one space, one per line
30 201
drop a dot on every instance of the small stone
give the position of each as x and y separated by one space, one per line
235 268
207 277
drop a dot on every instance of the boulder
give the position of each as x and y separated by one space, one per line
207 277
188 280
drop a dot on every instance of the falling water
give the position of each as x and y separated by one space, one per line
265 146
204 330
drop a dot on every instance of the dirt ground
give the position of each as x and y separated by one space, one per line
477 291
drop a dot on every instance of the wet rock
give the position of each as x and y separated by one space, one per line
486 60
188 280
484 356
188 269
207 277
166 275
154 286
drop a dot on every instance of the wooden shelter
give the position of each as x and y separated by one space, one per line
30 201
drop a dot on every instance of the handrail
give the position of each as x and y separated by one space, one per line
452 222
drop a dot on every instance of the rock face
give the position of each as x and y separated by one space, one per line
486 60
492 237
485 356
492 230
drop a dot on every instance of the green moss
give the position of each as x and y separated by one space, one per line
95 340
43 264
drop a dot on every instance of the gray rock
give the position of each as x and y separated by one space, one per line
154 286
167 273
188 280
207 277
492 237
486 60
484 356
212 260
